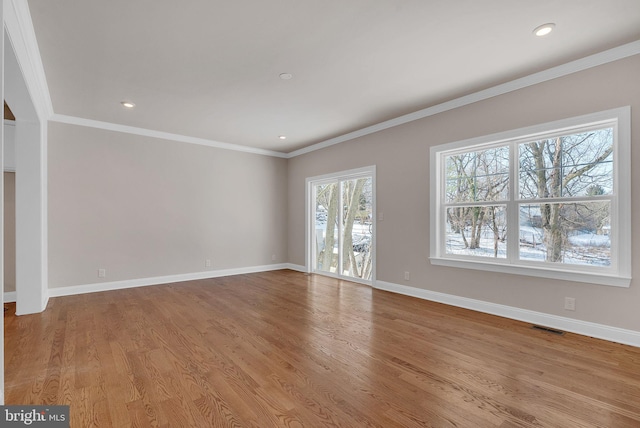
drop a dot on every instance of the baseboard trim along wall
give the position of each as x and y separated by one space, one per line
143 282
299 268
10 296
585 328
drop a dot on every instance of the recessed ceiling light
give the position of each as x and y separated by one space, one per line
127 104
286 76
544 29
283 137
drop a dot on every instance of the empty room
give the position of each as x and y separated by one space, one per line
290 213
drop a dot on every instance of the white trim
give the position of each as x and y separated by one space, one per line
298 268
143 282
344 278
10 296
585 328
31 103
17 21
541 272
595 60
618 274
9 146
90 123
582 64
2 234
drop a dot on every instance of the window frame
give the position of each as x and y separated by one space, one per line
618 274
310 254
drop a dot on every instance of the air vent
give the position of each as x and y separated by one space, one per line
548 330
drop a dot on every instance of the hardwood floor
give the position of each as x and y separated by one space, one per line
285 349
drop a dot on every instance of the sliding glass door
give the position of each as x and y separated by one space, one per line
342 235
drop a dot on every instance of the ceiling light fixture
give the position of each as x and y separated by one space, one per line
127 104
544 29
283 137
286 76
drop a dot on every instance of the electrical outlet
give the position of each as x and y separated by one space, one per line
380 216
273 257
102 273
407 277
570 303
207 263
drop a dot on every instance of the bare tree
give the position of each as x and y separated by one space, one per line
355 204
328 197
565 166
471 177
351 193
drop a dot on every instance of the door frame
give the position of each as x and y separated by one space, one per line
310 222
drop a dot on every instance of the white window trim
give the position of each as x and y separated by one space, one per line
618 275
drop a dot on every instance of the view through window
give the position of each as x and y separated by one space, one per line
550 200
343 226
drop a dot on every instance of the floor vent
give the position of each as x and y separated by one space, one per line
548 330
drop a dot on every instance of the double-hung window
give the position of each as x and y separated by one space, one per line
551 200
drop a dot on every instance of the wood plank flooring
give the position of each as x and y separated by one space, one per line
283 349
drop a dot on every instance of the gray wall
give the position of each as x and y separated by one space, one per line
401 155
142 207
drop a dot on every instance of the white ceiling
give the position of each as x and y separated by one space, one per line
210 68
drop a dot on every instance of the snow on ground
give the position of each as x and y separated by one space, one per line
584 249
360 235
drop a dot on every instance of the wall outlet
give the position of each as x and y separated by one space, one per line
102 273
407 276
207 263
570 303
273 257
380 216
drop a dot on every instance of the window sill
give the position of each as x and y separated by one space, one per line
565 275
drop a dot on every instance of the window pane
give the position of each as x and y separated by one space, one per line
567 166
326 230
478 176
477 231
357 227
576 233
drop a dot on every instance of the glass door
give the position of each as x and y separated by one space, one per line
343 228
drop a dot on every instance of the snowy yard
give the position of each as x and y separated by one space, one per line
582 249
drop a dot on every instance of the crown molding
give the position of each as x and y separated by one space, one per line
22 36
73 120
591 61
19 28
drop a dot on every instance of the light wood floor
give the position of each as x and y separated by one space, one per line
286 349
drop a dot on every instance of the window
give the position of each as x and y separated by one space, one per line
551 200
340 224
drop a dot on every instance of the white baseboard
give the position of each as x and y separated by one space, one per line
585 328
295 267
143 282
10 296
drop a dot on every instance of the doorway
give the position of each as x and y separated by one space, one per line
341 226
